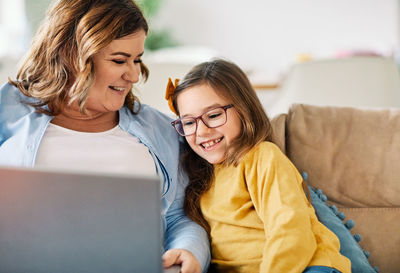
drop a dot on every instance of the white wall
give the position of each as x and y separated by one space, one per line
14 32
268 35
265 36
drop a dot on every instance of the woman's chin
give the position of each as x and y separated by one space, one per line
115 106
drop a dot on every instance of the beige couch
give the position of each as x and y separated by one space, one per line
353 155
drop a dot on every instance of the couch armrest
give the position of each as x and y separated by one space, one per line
279 131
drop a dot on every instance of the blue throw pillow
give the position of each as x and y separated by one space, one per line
333 219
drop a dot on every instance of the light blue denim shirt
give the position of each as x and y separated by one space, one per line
22 128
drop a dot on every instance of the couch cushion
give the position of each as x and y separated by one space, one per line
352 154
379 229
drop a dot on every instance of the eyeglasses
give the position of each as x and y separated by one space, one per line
212 119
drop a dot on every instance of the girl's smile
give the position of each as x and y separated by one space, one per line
209 143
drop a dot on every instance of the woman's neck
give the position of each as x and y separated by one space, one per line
90 122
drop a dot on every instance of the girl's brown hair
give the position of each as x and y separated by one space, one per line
230 82
58 69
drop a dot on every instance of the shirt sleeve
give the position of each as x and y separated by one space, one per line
276 191
181 232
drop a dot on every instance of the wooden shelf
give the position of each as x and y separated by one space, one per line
265 87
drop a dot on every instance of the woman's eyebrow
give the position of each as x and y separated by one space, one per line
125 54
121 53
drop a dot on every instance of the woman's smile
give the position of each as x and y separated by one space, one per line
118 88
117 68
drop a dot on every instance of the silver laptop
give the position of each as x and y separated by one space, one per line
68 222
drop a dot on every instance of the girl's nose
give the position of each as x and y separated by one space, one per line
202 129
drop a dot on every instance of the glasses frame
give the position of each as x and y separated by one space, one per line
200 117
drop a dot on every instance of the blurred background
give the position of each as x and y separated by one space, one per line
266 38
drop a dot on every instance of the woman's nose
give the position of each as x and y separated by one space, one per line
132 73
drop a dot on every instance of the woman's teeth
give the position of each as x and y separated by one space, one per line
211 143
120 89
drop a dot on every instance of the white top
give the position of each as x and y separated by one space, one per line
112 151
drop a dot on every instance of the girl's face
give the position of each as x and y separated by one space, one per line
116 68
209 143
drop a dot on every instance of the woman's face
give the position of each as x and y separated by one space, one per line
116 68
209 143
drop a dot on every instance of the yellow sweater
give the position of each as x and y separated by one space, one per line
261 220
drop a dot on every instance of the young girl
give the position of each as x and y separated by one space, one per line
243 189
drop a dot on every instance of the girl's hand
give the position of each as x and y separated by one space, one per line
185 258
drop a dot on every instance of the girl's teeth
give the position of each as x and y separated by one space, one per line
210 143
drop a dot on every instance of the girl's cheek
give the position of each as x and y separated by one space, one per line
192 142
190 139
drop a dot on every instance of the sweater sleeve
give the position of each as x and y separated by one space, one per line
181 232
275 188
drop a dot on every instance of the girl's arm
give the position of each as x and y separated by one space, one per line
276 191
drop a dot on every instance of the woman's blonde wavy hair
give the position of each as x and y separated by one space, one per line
58 68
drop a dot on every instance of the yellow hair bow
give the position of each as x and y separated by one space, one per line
169 94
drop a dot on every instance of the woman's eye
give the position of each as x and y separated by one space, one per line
118 61
137 61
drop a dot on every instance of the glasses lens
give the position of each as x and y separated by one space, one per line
215 117
186 126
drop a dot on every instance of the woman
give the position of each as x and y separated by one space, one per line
71 107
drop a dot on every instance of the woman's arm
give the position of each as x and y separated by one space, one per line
182 233
163 143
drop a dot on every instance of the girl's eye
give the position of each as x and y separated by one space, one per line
137 61
187 123
118 61
214 115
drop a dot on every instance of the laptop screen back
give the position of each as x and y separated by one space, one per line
65 222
